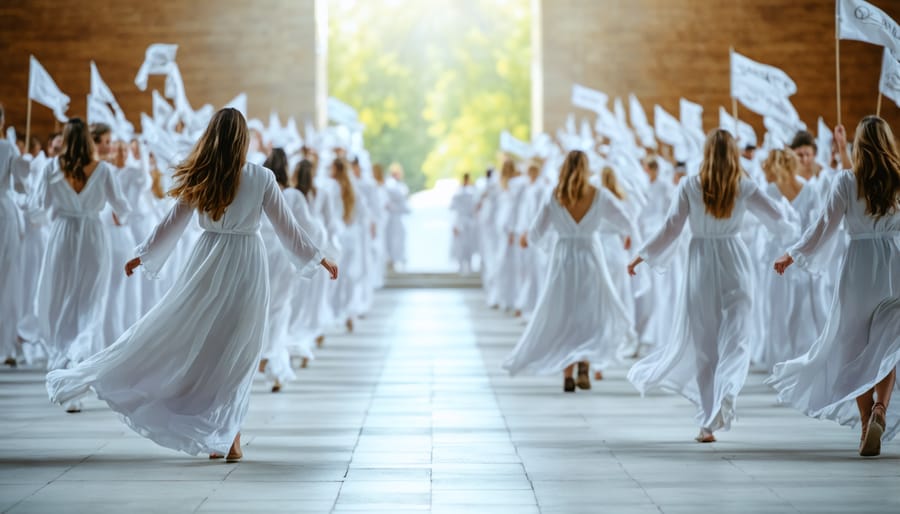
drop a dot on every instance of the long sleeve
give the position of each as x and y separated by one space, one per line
304 254
116 197
155 250
540 226
18 169
39 199
823 229
769 214
655 248
300 209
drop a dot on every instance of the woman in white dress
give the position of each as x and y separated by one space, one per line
707 357
508 256
123 304
75 275
579 312
181 375
533 262
13 171
794 309
397 209
464 242
849 374
347 295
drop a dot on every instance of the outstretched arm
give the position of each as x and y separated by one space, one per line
666 236
155 250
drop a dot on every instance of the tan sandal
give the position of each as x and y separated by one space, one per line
871 444
705 436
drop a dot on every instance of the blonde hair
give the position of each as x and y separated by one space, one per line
348 197
780 168
208 179
573 179
507 173
720 174
609 181
378 173
876 164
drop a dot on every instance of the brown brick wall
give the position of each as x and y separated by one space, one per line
265 48
665 49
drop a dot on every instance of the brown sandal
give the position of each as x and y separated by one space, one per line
584 378
871 444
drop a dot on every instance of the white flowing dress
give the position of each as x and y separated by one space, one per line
707 357
13 171
860 344
74 282
464 239
579 315
181 375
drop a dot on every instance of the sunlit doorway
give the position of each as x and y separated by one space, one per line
434 83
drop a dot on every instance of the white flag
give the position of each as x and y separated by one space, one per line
99 90
162 111
511 144
175 91
44 91
99 112
668 128
747 74
619 110
889 85
341 113
292 136
862 21
159 59
824 138
639 122
691 115
240 103
782 131
739 129
11 138
767 105
587 98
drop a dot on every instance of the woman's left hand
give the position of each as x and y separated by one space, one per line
633 264
782 263
131 265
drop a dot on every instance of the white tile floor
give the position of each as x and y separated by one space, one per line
412 413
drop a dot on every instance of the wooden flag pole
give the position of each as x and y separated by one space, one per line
878 109
734 113
28 126
837 67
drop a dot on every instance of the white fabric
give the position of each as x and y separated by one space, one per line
579 315
859 344
181 375
74 281
862 21
43 90
13 172
397 208
464 239
706 356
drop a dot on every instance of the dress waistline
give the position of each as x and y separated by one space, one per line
229 232
62 213
888 234
715 236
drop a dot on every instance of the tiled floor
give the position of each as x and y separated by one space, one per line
411 413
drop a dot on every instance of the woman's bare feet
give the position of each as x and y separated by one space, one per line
349 324
320 341
235 454
304 363
262 365
705 436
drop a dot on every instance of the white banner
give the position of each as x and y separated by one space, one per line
44 91
639 122
99 112
515 146
587 98
159 59
889 84
739 129
824 137
99 90
668 128
162 111
862 21
747 74
341 113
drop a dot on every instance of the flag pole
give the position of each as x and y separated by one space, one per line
837 57
734 103
878 109
28 125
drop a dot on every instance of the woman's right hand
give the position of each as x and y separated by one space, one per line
330 267
633 264
131 265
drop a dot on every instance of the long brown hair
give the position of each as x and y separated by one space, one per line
208 179
573 179
348 197
877 166
720 174
780 168
609 180
77 151
303 177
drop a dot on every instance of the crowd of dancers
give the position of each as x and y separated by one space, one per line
558 243
74 213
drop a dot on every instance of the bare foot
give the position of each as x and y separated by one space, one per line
262 365
304 363
320 341
349 324
705 436
598 375
235 454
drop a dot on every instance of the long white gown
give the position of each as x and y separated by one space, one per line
348 296
397 209
655 292
707 357
34 242
794 307
74 282
532 260
181 375
464 239
860 343
507 262
579 315
13 172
